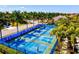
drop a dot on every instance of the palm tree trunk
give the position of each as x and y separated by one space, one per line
59 44
75 50
70 48
27 25
1 34
42 21
17 28
33 22
38 21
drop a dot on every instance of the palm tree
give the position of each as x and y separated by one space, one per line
17 17
1 23
32 16
58 34
73 40
7 18
1 27
25 17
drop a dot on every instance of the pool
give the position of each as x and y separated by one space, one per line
37 41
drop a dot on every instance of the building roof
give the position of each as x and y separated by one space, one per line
58 17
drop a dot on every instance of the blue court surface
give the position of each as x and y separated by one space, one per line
36 41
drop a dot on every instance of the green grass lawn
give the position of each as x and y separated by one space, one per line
7 50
